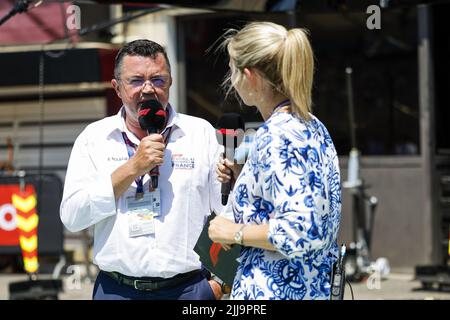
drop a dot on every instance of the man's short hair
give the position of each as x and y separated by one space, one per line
141 47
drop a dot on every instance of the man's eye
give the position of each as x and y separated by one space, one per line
136 82
158 82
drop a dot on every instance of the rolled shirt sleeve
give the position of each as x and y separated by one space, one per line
88 193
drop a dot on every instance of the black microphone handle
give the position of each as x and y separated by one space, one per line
226 187
154 173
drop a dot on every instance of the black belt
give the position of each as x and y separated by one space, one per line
152 283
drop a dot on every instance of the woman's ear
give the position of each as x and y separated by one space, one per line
251 75
247 73
253 78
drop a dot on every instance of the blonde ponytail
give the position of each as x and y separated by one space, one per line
284 58
297 69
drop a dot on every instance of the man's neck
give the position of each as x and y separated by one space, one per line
136 130
134 127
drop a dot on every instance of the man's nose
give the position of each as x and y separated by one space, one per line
147 87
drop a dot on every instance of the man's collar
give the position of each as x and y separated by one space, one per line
123 127
116 122
174 118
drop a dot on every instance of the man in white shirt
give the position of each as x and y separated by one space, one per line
144 237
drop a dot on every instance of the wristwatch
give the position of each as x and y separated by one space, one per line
239 236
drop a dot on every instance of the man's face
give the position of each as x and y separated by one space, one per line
142 79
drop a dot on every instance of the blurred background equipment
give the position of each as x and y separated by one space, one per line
43 113
358 263
7 166
434 67
31 232
437 276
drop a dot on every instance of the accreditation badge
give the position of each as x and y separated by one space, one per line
142 212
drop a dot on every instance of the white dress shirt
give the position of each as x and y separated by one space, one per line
189 192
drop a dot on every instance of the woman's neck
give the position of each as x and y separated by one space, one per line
267 106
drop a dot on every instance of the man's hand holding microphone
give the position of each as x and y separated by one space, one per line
149 154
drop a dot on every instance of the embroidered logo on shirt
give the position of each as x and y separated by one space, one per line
117 158
181 162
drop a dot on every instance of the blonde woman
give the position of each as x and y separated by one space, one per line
287 198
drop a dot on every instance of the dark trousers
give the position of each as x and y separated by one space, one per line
197 288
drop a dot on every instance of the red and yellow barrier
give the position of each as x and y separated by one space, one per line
27 222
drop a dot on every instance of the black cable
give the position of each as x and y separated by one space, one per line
351 289
41 129
97 27
125 18
20 6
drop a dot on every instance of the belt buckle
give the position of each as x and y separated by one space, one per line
144 285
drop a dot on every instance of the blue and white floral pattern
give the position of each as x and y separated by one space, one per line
290 181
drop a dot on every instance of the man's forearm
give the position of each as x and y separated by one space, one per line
122 178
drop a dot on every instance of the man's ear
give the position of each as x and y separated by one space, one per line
115 85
